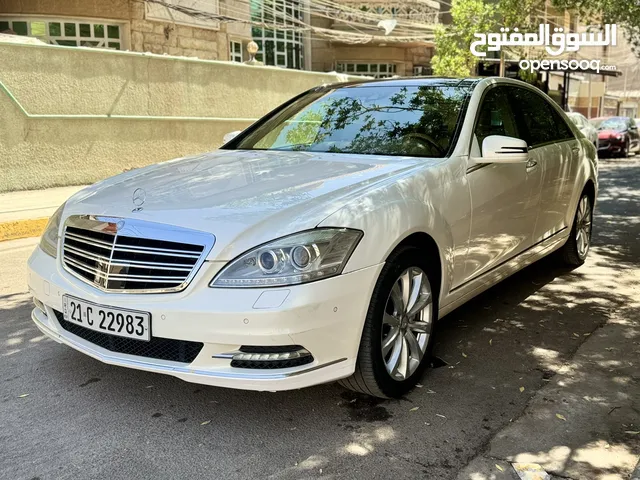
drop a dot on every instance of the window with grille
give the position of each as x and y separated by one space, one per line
419 70
377 70
235 51
280 41
67 32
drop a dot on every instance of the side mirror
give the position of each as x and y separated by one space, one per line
635 127
230 136
501 149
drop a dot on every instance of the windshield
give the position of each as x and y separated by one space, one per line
383 120
596 122
613 124
576 120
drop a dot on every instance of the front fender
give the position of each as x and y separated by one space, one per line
387 217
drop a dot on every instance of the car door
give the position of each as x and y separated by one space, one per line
553 146
504 197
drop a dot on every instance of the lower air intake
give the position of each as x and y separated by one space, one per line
159 348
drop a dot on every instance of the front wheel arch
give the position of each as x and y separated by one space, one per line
590 190
425 243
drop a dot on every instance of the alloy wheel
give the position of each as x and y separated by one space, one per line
407 323
583 226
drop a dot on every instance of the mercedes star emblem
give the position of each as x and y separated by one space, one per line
139 196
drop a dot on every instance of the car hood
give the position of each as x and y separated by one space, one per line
609 133
244 198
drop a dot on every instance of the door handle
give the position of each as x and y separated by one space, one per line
531 164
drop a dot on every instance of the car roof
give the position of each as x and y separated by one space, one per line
409 82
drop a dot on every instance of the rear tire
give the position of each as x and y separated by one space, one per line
575 251
396 342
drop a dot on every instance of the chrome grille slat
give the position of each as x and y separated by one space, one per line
88 241
132 256
91 255
131 263
149 280
153 252
85 268
152 266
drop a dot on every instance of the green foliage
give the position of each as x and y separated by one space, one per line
624 13
453 57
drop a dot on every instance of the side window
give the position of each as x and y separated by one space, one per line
495 117
539 121
563 131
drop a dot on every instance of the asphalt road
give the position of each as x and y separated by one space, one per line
82 419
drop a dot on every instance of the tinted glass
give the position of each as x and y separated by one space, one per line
537 120
615 123
563 131
385 120
495 117
579 120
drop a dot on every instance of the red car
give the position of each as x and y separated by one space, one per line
618 136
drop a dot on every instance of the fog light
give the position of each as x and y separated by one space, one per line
242 356
269 357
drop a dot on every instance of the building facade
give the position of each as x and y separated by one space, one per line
130 25
290 33
379 57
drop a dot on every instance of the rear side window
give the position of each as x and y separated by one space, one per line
538 121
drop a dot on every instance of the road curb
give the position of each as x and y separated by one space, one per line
22 228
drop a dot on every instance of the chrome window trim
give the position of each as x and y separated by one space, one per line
139 229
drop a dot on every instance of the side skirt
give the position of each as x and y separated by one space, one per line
472 288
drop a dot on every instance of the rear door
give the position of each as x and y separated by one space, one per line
554 149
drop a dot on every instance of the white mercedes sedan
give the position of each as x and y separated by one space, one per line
323 242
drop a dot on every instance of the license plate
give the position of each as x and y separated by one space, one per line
113 321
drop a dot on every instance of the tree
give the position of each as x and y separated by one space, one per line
625 13
453 57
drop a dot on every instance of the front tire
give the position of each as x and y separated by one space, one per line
395 347
575 251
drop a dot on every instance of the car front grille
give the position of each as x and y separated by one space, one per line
159 348
123 255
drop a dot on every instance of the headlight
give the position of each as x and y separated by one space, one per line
299 258
49 239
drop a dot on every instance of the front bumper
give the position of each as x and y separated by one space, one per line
325 317
610 146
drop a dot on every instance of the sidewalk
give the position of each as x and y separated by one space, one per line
585 424
25 214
